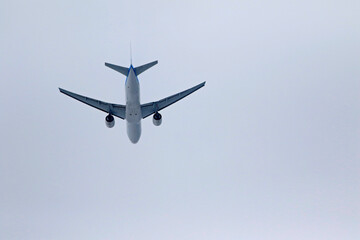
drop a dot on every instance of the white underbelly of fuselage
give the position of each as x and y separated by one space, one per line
133 108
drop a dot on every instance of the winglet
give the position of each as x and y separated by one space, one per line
122 70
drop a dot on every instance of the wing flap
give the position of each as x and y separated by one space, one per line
114 109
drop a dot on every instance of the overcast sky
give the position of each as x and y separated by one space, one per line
268 149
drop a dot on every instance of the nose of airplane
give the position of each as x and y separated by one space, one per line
134 132
134 140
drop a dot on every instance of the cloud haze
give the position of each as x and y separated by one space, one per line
268 149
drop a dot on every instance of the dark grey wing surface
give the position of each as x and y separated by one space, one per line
150 108
115 109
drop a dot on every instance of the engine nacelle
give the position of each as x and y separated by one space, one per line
157 119
110 121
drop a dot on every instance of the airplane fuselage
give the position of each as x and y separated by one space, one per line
133 107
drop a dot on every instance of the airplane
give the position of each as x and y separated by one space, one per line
133 112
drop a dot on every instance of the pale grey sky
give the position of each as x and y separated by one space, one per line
269 149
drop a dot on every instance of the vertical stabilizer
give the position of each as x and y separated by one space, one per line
130 54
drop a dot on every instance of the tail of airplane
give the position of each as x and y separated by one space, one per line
143 68
122 70
125 71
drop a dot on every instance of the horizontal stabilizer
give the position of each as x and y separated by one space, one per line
143 68
122 70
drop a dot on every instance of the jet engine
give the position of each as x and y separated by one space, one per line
110 121
157 119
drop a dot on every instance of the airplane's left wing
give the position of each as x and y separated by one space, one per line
152 107
114 109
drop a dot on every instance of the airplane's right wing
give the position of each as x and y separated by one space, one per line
150 108
114 109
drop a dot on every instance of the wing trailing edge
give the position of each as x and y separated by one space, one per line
152 107
111 108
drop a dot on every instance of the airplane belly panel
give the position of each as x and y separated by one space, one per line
134 131
133 107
